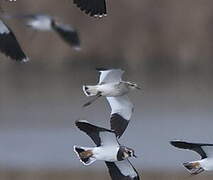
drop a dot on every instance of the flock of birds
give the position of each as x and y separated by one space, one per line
115 155
111 86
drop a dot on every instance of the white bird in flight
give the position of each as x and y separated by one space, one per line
108 149
204 150
9 44
110 85
115 90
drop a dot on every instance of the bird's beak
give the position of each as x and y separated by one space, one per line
134 156
139 88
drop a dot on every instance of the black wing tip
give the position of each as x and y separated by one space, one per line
91 14
84 124
101 69
18 60
24 60
178 143
80 121
11 48
91 11
115 171
175 141
99 16
107 69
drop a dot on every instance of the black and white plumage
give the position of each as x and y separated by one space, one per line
95 8
9 44
68 34
110 84
122 170
99 135
108 149
115 90
121 112
204 150
43 22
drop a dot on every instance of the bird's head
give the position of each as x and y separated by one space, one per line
128 152
132 86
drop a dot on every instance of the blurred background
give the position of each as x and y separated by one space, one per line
163 45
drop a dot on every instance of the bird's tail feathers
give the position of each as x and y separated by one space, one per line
193 167
85 155
90 90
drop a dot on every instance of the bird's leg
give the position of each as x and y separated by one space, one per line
92 100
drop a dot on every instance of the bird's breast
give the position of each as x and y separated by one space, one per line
106 153
112 89
207 164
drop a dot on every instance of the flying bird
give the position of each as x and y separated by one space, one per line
115 90
44 22
110 85
9 44
204 150
95 8
108 149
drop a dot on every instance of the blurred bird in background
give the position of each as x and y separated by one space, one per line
44 22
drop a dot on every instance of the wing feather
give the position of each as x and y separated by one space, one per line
99 135
110 76
121 112
68 34
204 150
92 7
9 44
122 170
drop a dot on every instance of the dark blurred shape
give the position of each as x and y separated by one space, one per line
96 8
9 44
44 22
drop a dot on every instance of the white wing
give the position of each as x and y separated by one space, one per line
121 112
110 76
122 170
